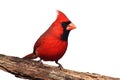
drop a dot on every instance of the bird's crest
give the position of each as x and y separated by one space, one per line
61 16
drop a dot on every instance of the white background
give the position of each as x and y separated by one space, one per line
94 46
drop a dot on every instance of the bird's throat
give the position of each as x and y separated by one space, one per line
65 35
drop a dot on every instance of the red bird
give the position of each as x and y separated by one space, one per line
53 43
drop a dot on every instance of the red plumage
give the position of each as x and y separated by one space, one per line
52 44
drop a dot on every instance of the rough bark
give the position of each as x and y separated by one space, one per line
33 70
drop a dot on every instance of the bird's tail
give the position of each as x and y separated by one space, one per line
30 56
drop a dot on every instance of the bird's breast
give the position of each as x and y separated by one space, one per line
52 49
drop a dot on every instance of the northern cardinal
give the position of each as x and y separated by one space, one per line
53 43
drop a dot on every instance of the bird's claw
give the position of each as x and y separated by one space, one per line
60 67
40 61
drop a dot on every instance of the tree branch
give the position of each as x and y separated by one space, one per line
33 70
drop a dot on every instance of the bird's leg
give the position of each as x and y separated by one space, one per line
40 61
59 65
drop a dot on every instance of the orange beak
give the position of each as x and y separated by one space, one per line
71 26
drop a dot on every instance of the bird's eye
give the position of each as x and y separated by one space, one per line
65 24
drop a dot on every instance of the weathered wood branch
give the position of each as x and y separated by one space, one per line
33 70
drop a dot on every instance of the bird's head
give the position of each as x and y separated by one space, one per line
65 22
61 26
